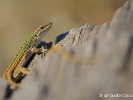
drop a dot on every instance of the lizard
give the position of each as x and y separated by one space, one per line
16 68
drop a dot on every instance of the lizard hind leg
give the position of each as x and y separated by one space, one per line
13 84
27 71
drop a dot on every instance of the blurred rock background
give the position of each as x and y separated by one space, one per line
18 19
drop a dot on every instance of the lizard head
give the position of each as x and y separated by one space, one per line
42 30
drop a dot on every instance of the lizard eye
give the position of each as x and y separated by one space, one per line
42 27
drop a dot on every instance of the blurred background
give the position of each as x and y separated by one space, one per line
18 19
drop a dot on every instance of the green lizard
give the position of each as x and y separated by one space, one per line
16 68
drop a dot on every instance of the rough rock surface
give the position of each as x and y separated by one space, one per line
106 69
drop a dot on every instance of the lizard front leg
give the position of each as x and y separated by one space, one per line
42 48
